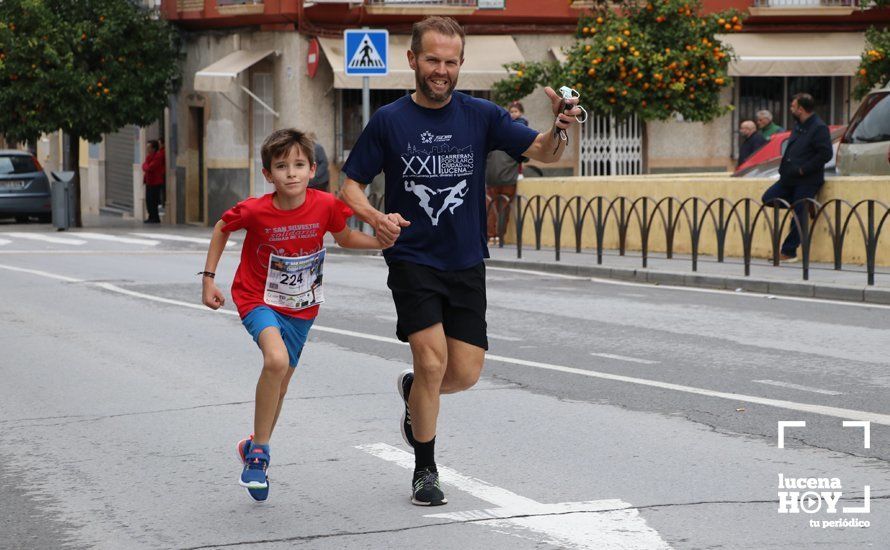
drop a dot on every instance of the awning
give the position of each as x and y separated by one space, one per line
219 76
484 57
795 54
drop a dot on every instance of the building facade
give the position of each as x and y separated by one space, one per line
252 66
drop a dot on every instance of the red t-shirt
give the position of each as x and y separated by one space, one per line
288 233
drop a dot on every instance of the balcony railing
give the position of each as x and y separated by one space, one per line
421 7
410 3
806 3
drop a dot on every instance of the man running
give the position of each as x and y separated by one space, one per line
432 147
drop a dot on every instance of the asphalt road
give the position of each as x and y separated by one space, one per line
609 415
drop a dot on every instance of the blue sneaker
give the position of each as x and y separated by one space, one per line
253 476
242 447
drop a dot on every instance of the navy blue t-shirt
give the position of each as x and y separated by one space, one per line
434 162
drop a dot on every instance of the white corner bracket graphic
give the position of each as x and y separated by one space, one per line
866 430
788 424
866 506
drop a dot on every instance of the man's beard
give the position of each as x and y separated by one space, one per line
424 87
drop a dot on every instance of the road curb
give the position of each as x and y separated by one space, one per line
720 282
803 289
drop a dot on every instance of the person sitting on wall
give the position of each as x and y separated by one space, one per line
802 170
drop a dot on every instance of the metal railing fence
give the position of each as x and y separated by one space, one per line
840 219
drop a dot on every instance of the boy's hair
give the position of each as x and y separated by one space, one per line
280 142
516 104
442 25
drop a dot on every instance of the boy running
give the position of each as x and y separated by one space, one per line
278 283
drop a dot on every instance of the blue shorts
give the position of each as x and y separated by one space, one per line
293 330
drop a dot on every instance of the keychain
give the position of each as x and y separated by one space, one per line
567 93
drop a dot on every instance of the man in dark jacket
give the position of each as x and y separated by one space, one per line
802 170
754 140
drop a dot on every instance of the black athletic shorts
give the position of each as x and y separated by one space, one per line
425 296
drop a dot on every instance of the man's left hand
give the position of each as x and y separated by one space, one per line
564 119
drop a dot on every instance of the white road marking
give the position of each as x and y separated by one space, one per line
4 241
115 238
506 338
46 238
837 412
179 238
797 387
42 273
625 358
392 318
615 525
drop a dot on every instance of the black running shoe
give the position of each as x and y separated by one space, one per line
426 490
404 384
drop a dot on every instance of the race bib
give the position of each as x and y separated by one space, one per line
294 283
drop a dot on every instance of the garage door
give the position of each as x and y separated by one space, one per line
120 154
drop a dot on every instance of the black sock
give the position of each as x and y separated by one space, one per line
425 455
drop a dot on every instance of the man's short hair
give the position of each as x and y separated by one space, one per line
280 142
805 101
154 144
765 114
748 124
442 25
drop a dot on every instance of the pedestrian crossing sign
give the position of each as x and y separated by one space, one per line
366 52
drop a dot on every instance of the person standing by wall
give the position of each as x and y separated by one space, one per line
501 175
153 177
754 140
322 178
766 124
802 170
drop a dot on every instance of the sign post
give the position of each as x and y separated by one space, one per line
366 54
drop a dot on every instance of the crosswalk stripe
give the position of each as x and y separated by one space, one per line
115 238
46 238
180 238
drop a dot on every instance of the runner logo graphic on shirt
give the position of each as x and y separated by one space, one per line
440 161
453 198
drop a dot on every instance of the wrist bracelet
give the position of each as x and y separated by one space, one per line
207 274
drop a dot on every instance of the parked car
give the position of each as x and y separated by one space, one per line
24 187
865 147
764 163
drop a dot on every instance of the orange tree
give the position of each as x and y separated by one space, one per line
651 58
87 67
874 66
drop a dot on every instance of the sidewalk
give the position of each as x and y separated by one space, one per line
785 279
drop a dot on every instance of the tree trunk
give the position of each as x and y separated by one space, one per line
74 166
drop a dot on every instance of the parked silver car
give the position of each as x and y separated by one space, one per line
865 147
24 187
